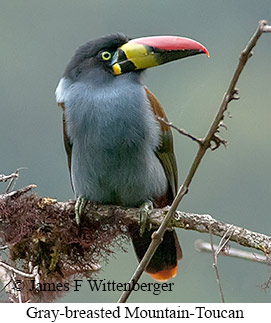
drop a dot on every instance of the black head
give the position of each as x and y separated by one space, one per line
96 53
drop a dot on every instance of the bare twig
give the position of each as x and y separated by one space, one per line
17 193
215 255
216 251
5 285
224 240
17 291
17 271
181 131
266 285
206 143
12 177
6 279
12 180
203 246
266 29
5 178
4 247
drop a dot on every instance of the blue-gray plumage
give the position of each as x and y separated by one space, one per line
114 136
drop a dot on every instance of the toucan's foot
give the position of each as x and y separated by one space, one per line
144 212
79 207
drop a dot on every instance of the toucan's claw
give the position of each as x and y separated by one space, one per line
144 212
79 208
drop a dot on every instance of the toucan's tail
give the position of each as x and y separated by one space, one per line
164 263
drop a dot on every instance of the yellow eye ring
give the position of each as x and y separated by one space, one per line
106 56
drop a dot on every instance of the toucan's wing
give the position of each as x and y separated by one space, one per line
67 143
164 264
165 151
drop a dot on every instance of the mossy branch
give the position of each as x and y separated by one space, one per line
42 232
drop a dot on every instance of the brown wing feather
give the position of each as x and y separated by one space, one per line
165 151
164 264
67 143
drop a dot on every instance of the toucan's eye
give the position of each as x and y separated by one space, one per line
106 56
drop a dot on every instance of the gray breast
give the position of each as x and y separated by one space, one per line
114 136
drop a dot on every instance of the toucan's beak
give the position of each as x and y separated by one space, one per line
142 53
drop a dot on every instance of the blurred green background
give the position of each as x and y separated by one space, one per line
37 39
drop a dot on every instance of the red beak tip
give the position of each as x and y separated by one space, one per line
207 53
